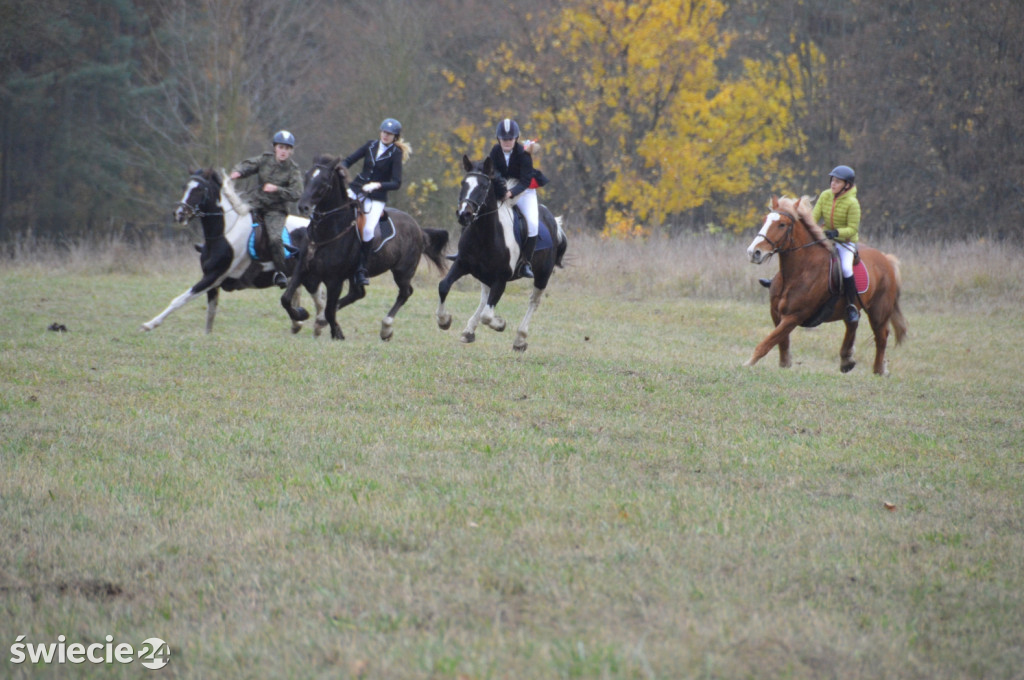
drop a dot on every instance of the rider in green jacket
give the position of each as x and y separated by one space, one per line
838 211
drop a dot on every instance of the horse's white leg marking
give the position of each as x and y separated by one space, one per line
524 326
469 335
177 302
320 300
444 319
387 327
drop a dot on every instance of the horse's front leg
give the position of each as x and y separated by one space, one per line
290 302
782 330
443 316
176 303
785 359
469 334
524 326
212 296
331 308
493 297
320 301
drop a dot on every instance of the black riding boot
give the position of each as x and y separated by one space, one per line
364 252
525 255
850 288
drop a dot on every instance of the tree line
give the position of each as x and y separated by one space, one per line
653 115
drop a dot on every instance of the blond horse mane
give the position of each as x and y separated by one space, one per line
234 198
802 209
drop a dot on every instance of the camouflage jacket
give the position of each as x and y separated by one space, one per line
286 176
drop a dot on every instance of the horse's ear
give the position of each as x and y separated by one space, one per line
488 166
339 168
775 203
466 163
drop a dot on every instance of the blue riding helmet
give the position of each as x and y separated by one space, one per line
391 125
507 129
843 172
284 137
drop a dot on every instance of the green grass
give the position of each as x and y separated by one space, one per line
624 500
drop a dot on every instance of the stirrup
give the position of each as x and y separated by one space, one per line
526 271
452 257
280 280
852 315
767 283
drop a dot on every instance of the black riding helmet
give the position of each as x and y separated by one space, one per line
507 129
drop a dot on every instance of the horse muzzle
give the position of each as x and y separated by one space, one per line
465 217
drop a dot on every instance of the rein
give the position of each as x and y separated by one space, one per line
777 248
316 217
477 205
194 211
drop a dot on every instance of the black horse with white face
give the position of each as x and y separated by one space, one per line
488 251
332 254
224 256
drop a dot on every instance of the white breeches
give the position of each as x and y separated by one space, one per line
373 210
527 202
846 253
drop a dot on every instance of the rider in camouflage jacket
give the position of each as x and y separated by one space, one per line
280 183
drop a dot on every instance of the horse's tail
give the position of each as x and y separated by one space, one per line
434 243
898 321
562 242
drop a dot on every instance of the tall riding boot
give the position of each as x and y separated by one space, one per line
364 252
525 255
850 288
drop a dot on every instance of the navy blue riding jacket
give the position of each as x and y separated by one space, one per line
387 169
519 166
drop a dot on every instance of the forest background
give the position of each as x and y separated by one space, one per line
654 115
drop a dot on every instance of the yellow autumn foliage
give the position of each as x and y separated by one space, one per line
647 128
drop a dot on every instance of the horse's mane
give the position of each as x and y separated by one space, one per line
229 192
802 208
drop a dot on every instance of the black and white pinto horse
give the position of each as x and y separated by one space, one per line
332 254
489 252
224 256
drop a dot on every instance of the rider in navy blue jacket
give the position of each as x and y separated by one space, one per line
512 161
381 173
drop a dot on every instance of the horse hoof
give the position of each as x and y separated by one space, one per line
444 322
846 368
468 337
520 348
296 328
497 324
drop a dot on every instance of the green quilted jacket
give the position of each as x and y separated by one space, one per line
841 214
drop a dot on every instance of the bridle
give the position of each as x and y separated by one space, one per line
788 229
476 205
316 216
190 211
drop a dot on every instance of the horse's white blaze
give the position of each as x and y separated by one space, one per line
771 219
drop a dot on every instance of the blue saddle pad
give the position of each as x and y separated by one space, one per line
544 240
286 238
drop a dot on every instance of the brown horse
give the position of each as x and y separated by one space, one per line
801 294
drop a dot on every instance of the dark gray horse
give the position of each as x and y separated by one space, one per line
332 255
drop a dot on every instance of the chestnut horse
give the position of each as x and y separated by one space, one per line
800 293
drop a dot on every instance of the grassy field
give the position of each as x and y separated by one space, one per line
624 500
